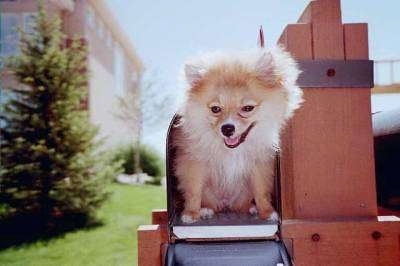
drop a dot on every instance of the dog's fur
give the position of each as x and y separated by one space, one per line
213 176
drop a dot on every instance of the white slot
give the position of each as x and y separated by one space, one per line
225 231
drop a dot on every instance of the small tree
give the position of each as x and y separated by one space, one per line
50 167
143 107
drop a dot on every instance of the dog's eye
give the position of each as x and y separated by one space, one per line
215 109
247 108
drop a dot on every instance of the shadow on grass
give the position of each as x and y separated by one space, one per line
28 228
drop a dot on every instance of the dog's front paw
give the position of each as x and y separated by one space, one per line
274 217
253 210
268 213
206 213
190 217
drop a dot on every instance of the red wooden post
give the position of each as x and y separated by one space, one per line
328 192
159 216
151 238
297 39
328 158
357 242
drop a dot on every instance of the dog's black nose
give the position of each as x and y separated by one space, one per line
228 130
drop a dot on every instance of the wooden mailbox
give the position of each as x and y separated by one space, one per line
327 178
224 225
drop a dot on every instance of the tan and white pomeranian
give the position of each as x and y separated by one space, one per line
235 109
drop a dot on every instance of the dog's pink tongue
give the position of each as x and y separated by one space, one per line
232 141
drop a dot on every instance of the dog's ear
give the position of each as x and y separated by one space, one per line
194 74
266 70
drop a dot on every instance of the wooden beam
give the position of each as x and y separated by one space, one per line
341 228
159 216
354 35
327 41
296 38
322 11
346 242
332 156
327 158
150 240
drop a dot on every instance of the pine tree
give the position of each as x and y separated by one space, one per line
50 164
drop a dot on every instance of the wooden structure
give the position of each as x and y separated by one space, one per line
329 204
328 195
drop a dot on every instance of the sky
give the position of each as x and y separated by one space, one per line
165 33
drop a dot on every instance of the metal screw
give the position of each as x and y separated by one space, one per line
376 235
315 237
331 72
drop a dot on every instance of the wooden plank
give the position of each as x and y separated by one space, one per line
159 216
287 175
341 228
328 41
332 156
282 38
329 158
356 41
356 47
322 11
327 161
150 240
297 40
347 252
363 242
327 30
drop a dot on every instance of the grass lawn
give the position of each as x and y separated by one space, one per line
114 243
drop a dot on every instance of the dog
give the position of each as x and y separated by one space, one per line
236 105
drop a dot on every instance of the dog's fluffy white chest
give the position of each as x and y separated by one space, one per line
228 175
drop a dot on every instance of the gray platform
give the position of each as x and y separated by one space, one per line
264 253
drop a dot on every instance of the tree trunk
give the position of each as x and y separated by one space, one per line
136 160
136 154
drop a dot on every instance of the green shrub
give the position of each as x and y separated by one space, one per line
150 161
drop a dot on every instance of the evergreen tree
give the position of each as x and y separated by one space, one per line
50 164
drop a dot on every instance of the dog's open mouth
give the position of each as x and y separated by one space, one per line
236 141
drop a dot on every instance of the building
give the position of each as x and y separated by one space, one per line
113 64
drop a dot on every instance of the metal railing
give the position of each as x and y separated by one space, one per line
387 72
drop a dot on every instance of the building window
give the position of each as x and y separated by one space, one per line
100 29
9 36
119 71
90 17
29 20
108 38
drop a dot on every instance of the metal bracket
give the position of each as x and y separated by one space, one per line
336 73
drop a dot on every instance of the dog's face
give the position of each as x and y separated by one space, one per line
232 109
232 113
234 98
